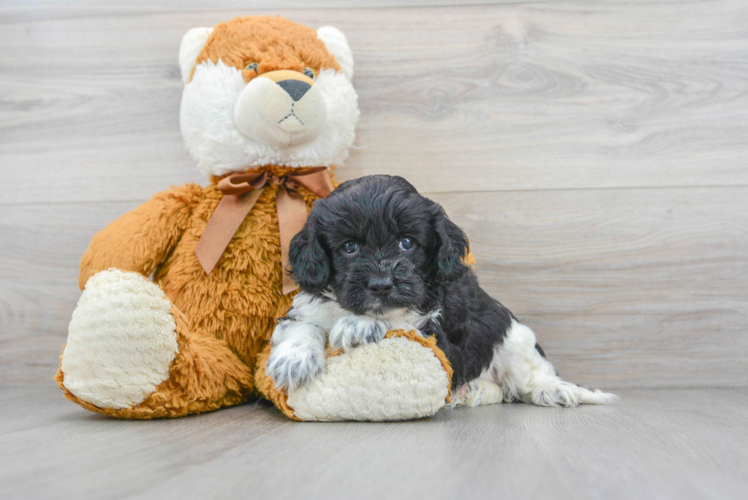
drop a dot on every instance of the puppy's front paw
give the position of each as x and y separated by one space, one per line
352 330
295 362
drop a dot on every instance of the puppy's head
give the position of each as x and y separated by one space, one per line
378 245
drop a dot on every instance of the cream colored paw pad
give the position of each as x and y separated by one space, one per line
121 341
395 379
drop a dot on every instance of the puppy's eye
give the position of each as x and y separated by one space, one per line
350 248
406 244
252 67
309 72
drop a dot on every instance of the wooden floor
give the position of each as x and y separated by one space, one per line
595 152
656 444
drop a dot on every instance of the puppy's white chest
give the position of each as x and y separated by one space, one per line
326 313
404 321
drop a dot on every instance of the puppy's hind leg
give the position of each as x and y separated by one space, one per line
520 367
478 392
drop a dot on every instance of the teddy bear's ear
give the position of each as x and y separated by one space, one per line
337 45
192 44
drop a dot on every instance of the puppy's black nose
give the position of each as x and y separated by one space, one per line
295 88
380 286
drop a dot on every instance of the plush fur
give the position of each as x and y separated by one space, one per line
404 376
188 342
376 254
232 117
395 379
229 314
136 359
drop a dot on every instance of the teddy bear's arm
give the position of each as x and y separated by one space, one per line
139 240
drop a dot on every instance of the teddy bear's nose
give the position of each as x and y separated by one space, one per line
295 88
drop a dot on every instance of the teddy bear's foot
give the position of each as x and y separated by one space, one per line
121 341
402 377
130 354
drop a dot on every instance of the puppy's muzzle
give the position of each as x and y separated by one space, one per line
380 286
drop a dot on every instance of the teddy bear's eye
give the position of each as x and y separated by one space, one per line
251 67
309 72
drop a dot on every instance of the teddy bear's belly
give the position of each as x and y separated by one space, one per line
241 299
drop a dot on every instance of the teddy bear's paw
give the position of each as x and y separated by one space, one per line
121 341
352 330
395 379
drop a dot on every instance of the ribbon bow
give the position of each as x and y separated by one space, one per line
241 192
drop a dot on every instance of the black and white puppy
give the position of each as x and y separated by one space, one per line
376 256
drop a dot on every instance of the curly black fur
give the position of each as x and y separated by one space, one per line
376 213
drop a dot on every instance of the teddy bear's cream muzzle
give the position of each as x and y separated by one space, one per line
280 108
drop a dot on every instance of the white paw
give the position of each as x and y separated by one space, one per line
478 392
352 330
569 395
297 355
121 341
559 394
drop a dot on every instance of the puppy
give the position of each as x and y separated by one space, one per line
377 256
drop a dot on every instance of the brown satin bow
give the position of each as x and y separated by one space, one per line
241 192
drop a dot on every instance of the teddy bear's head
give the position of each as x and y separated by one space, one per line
266 91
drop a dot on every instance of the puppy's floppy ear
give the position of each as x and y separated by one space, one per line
310 265
452 247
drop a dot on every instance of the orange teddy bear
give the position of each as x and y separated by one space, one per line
267 106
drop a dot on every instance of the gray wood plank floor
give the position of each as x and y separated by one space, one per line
655 444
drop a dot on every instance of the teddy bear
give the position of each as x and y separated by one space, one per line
181 295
